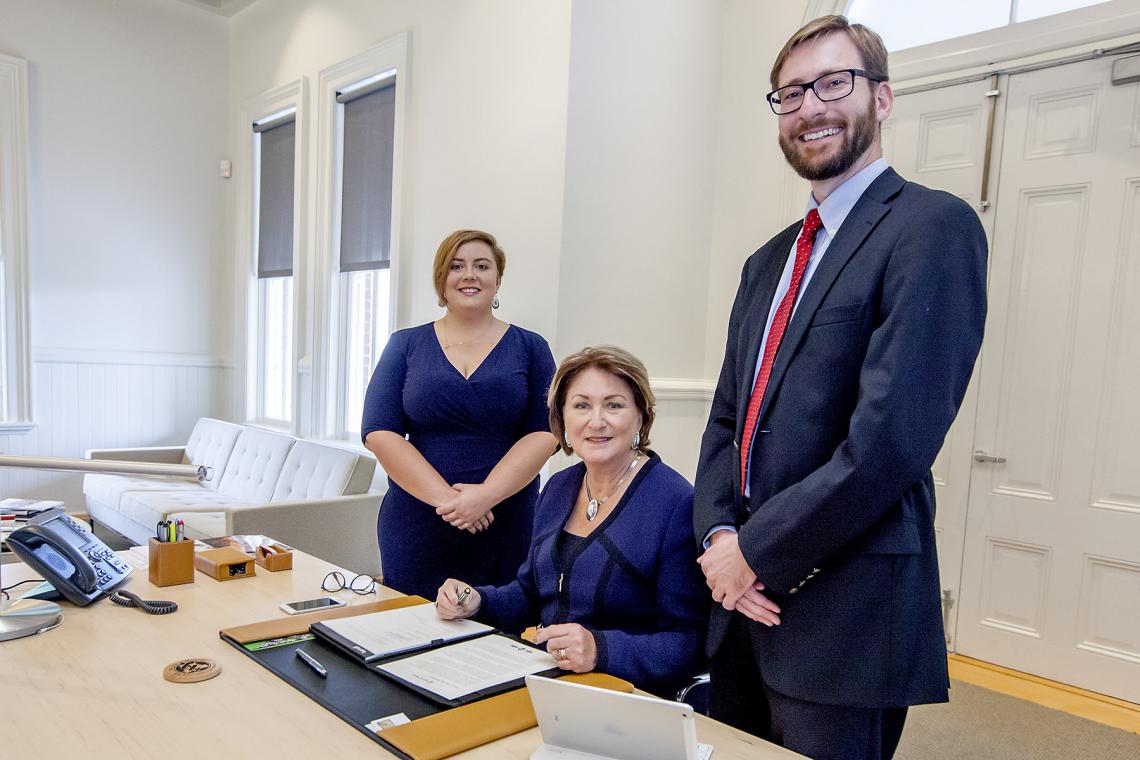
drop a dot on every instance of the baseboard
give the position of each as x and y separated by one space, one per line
1052 694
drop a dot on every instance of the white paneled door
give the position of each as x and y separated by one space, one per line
1050 580
937 138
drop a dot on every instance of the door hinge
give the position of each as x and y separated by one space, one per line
947 604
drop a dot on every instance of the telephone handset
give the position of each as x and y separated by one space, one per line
68 556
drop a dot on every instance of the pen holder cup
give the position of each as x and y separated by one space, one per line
171 563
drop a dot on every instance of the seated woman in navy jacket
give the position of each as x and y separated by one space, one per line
611 574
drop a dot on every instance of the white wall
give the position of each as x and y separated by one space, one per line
644 84
485 130
130 316
749 203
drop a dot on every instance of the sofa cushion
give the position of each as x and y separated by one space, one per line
254 466
315 471
108 489
210 444
202 524
147 508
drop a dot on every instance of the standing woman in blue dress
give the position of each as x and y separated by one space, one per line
456 414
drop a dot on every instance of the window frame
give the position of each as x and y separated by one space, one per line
1047 37
388 58
278 101
16 409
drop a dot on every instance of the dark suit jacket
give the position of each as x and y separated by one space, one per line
868 378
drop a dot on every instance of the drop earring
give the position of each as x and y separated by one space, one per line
636 440
566 438
495 303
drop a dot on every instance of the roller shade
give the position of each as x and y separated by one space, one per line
275 206
366 190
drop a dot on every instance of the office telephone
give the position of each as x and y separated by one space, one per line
68 556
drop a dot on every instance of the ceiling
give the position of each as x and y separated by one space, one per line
221 7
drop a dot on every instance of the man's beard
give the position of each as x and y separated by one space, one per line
856 140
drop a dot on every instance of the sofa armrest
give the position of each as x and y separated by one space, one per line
156 454
340 529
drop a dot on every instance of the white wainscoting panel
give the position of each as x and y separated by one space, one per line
86 399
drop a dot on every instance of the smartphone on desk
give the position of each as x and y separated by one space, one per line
311 605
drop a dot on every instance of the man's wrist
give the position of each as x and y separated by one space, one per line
715 531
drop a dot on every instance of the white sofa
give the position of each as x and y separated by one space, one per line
311 496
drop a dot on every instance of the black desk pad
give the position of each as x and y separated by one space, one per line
354 693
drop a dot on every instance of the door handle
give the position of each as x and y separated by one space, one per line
982 456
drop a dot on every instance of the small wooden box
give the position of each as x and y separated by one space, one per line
225 564
171 563
281 559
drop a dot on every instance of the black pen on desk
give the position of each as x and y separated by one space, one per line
312 663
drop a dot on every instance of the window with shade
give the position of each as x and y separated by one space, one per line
274 155
365 258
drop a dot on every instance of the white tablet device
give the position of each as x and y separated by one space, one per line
579 722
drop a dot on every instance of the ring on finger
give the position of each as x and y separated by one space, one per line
562 654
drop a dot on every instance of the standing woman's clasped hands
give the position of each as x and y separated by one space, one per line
469 507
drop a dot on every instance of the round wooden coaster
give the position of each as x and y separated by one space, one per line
191 671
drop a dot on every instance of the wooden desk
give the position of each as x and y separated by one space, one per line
94 685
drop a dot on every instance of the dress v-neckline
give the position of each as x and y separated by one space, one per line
494 348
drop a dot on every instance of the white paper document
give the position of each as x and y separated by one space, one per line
380 634
460 669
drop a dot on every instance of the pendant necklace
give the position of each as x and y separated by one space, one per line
447 345
593 504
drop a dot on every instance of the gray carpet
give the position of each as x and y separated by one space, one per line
983 724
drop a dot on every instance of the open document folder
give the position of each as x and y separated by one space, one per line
383 634
470 668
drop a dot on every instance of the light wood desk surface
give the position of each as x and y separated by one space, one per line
94 686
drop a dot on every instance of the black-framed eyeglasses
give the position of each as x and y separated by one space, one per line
832 86
361 584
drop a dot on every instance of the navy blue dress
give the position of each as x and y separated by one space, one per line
462 427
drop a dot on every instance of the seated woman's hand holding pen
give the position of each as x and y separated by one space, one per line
456 600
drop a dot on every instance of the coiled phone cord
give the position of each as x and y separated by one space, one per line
157 607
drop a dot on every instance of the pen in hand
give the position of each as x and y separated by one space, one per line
463 596
312 663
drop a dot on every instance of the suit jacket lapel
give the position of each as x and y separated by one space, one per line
868 210
765 281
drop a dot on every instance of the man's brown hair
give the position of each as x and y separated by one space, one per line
870 45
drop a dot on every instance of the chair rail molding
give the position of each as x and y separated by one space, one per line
682 389
130 358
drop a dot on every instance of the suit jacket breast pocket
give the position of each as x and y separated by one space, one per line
834 315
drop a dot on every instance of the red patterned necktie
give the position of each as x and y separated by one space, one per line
779 323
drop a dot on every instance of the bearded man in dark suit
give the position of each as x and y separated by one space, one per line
850 344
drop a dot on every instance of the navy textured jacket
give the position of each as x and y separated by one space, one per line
634 584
